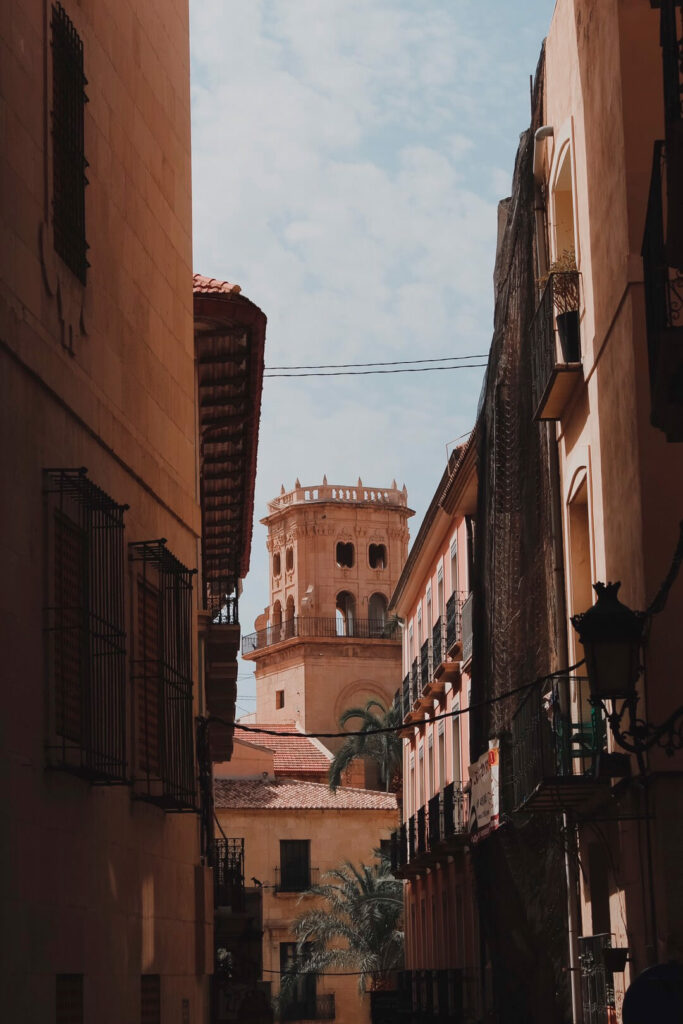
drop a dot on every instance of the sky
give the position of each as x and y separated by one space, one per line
348 157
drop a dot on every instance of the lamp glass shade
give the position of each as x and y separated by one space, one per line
611 635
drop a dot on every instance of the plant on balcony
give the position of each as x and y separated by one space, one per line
385 748
564 279
358 928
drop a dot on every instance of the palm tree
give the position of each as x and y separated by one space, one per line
357 929
385 748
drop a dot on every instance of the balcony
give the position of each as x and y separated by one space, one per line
556 346
426 666
227 862
312 628
559 748
663 302
318 1007
432 995
437 829
467 629
597 982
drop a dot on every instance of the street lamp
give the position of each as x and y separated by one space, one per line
612 637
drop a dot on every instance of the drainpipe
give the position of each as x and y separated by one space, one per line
570 829
546 131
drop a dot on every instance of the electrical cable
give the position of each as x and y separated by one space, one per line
366 373
456 712
394 362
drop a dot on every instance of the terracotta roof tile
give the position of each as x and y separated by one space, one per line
298 755
292 794
212 286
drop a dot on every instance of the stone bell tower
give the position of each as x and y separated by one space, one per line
325 643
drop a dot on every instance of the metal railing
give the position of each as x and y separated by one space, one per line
444 817
320 628
316 1007
432 995
562 289
227 861
221 601
414 680
438 643
406 697
551 741
597 984
467 628
295 879
425 664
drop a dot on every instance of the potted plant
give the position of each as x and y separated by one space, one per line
565 292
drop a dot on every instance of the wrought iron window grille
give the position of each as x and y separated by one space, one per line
162 678
227 861
68 143
85 628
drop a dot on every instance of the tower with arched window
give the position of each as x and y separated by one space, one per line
326 643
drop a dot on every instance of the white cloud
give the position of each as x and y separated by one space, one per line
347 157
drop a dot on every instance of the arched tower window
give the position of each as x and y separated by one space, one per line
377 614
345 555
377 556
289 559
277 568
289 617
346 613
277 614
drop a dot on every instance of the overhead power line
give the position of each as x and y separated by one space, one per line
364 373
455 713
395 362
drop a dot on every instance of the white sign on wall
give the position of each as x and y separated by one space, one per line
485 793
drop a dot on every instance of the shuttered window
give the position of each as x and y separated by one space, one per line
69 999
147 696
150 999
295 865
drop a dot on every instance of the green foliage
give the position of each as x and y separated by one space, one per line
358 929
385 749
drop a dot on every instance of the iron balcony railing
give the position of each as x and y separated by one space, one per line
315 1007
556 319
438 643
432 995
406 702
296 878
425 664
442 819
452 620
227 861
467 628
551 743
597 983
221 601
414 680
319 628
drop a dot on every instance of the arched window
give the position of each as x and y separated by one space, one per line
289 559
345 555
377 614
563 207
289 618
377 556
277 568
346 613
277 614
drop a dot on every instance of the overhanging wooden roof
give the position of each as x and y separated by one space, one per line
230 334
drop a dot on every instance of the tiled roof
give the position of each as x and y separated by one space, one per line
291 794
212 286
298 755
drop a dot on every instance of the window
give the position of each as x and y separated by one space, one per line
295 865
345 555
289 559
277 565
440 593
410 645
162 677
442 755
431 787
345 613
279 699
377 614
455 750
419 627
85 627
470 534
454 565
69 999
150 999
428 630
377 556
301 1005
68 143
421 776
